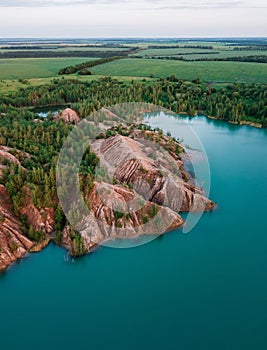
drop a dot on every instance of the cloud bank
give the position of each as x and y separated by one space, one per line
151 4
132 18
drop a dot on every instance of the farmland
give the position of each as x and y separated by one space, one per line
70 48
35 67
194 54
143 59
207 71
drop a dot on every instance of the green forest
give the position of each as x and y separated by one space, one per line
234 102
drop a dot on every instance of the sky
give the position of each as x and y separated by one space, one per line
132 18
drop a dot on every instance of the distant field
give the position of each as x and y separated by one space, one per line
191 53
169 51
66 49
35 67
225 54
91 49
206 71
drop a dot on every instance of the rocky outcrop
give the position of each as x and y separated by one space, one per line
156 174
151 189
255 125
13 244
40 219
68 115
143 192
119 212
40 246
7 156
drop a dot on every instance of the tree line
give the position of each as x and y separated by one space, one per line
59 54
85 65
250 58
204 47
251 48
180 57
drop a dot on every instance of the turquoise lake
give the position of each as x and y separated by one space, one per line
203 290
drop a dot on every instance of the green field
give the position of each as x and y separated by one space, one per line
26 68
12 69
206 71
66 49
224 54
191 53
169 51
103 49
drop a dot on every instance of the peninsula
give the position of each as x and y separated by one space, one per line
143 190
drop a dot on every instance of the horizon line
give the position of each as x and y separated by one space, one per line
134 38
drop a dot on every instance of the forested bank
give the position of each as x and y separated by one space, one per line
235 102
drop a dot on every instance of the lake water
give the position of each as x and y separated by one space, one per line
46 110
204 290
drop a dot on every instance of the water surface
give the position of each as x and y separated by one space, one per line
204 290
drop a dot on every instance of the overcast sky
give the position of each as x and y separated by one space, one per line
132 18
